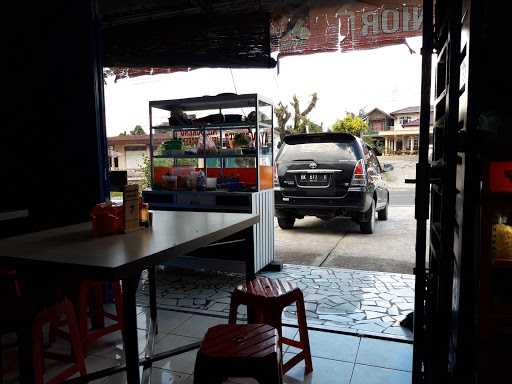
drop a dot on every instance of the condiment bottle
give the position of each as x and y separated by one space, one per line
143 209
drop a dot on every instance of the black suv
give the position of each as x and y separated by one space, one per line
328 175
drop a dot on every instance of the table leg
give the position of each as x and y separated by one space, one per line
96 309
248 251
25 355
250 274
130 337
152 296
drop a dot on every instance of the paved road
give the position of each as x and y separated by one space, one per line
339 243
402 198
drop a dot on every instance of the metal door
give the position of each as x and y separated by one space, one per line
436 183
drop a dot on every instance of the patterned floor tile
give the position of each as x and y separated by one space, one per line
334 297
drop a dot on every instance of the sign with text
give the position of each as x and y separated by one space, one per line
131 208
500 176
193 137
352 26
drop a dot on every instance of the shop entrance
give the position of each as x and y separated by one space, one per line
329 98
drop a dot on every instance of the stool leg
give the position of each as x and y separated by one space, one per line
37 349
96 308
272 374
1 362
233 310
204 374
273 316
83 300
303 332
74 337
52 335
118 297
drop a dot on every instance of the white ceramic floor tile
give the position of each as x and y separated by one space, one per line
366 374
385 354
183 363
111 345
52 368
158 376
325 371
197 325
173 341
332 345
97 363
92 364
167 320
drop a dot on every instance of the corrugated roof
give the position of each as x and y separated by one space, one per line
381 111
413 109
137 139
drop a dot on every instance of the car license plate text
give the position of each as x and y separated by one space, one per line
314 177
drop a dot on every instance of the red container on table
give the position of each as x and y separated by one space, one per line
107 219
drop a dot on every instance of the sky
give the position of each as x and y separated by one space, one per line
388 78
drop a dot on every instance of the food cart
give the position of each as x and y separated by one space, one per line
217 156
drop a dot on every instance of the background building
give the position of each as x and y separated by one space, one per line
398 131
127 153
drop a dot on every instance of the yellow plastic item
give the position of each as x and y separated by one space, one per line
502 241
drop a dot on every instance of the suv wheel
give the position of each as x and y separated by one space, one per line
286 222
383 213
368 227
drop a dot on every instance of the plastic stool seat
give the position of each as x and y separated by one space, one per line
244 350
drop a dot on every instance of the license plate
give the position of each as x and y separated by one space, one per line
314 178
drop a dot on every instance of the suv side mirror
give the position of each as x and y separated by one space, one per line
387 168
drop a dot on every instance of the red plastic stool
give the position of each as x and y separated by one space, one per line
267 298
52 315
9 274
91 304
248 350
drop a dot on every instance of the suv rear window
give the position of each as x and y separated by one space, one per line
321 152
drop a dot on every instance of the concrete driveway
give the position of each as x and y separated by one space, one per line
339 243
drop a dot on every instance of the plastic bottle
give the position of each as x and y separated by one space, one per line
201 181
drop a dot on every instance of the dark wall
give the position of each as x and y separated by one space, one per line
53 142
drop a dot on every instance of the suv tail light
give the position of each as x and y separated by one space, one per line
359 177
276 178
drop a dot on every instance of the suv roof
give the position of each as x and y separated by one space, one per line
305 138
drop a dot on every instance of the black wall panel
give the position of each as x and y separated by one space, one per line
53 145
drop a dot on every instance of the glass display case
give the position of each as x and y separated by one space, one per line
215 153
212 144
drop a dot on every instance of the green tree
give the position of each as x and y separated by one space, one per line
352 124
309 126
146 168
123 134
138 130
